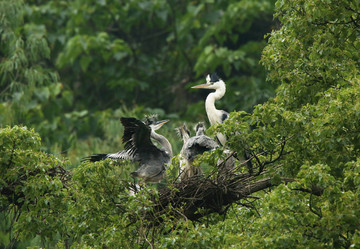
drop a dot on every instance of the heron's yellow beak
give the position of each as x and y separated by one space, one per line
201 86
158 124
162 122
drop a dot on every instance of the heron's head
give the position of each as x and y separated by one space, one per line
158 124
212 82
183 132
200 129
153 122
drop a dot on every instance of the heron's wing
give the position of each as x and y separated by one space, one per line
198 145
118 155
136 138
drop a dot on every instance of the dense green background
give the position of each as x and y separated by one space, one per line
71 69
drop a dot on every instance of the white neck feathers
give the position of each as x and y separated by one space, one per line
213 114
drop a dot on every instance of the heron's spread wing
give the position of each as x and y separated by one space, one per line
136 138
121 155
118 155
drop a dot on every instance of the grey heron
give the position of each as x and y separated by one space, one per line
138 147
192 147
215 116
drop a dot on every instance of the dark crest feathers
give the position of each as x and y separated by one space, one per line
150 119
214 77
199 125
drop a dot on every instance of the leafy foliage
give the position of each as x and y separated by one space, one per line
315 112
111 49
307 134
33 188
115 57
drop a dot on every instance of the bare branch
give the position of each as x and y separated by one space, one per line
315 190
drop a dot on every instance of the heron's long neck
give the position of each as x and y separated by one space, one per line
185 138
210 104
163 141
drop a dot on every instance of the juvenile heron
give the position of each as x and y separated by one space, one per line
215 116
192 147
139 148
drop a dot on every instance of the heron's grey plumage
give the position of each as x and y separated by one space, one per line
216 116
124 155
192 147
200 129
153 160
138 147
199 144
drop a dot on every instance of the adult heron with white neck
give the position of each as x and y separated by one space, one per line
215 116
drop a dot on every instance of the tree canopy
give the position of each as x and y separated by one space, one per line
71 69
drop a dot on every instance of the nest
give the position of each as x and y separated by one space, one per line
199 196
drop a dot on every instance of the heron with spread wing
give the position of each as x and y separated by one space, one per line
138 147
